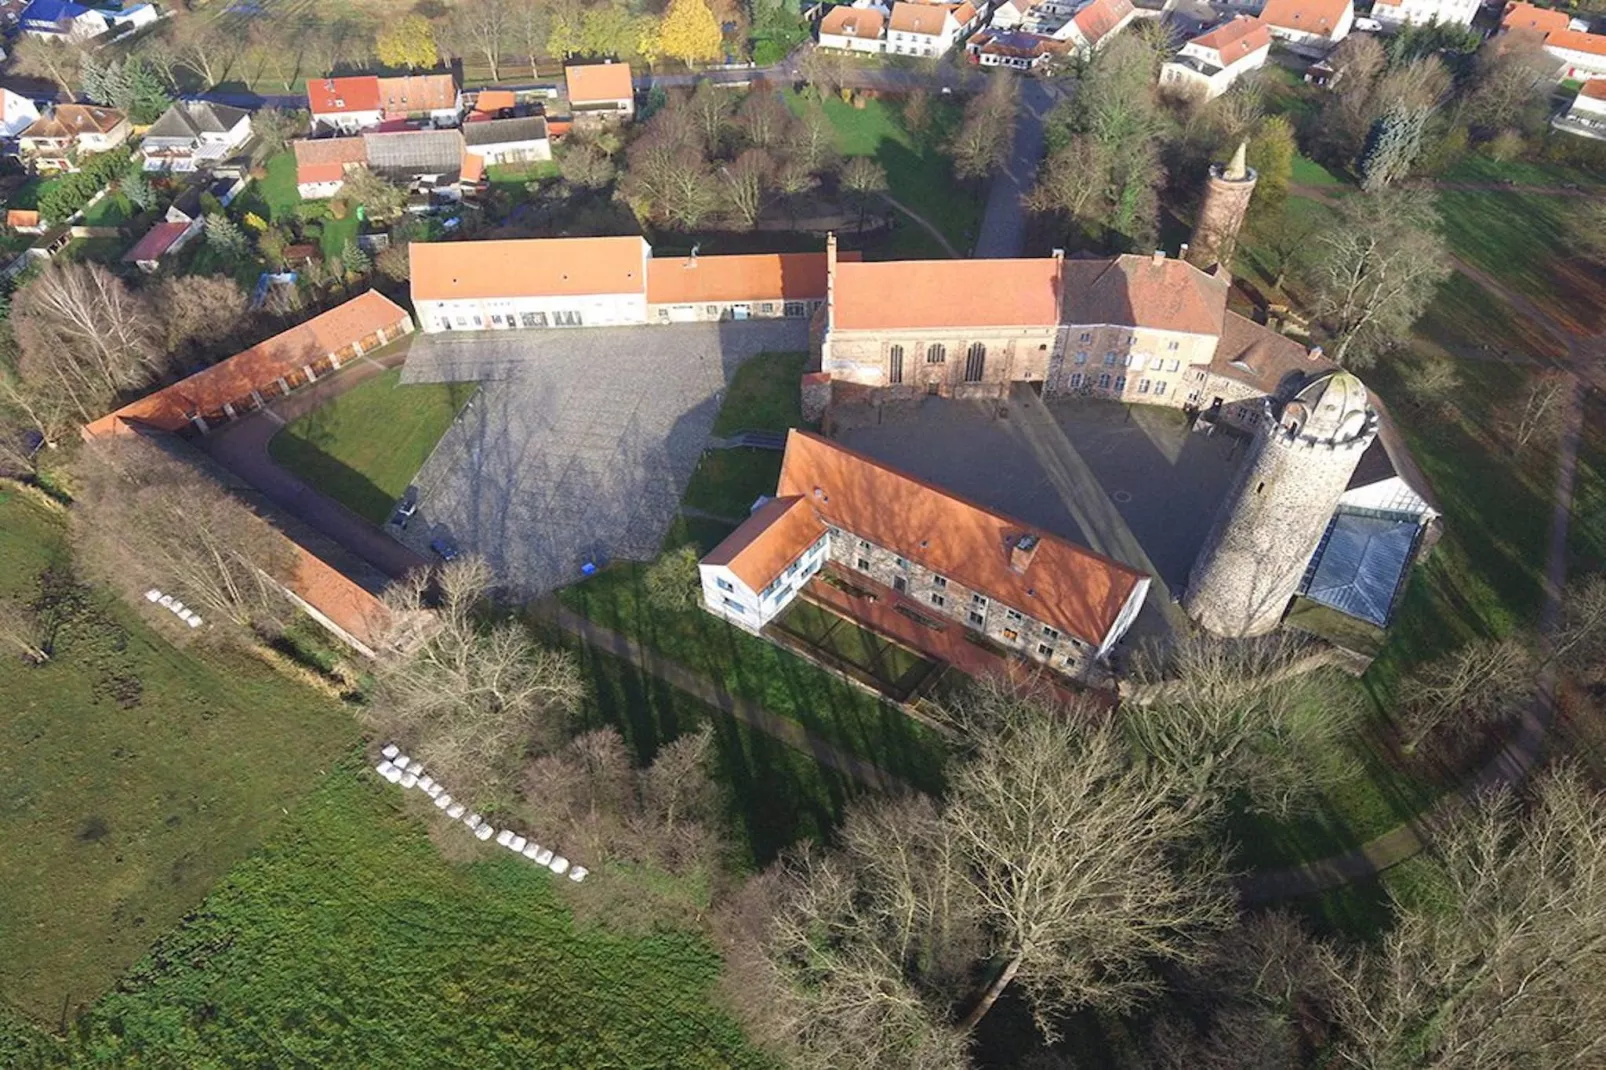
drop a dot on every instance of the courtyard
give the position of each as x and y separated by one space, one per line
579 444
1164 480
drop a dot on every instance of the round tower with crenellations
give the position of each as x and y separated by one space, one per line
1221 212
1279 505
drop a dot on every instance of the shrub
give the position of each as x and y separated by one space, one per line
672 582
338 209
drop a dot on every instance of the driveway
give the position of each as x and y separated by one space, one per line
579 443
1003 224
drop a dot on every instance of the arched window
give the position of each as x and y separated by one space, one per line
895 365
975 362
936 353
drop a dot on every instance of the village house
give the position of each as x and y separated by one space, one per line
752 286
1579 54
322 163
854 29
57 141
1424 12
1097 23
1025 35
428 161
1208 65
929 29
1312 27
431 98
931 568
192 134
1013 49
17 113
508 141
347 105
1586 116
600 92
162 240
62 20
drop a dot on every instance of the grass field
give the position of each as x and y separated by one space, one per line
364 447
112 210
763 395
134 776
348 941
918 173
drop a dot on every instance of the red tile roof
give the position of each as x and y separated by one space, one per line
927 19
339 96
348 606
1594 89
326 159
1259 357
1520 16
494 100
1319 17
472 167
1101 18
1067 586
156 242
466 270
1141 291
22 217
946 293
770 539
756 277
598 83
865 23
259 367
1572 40
401 96
1236 39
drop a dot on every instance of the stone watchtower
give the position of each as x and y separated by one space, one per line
1279 505
1221 213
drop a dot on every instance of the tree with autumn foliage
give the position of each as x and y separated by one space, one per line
690 33
407 42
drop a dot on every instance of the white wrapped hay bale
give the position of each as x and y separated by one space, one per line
433 791
442 800
425 783
531 850
543 856
383 769
408 780
504 837
516 845
473 821
401 762
389 750
578 874
153 594
558 865
454 811
393 775
483 832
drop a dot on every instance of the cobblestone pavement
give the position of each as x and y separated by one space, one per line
579 443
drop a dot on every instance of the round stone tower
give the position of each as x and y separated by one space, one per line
1222 211
1279 505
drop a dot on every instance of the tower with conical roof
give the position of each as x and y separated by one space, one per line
1279 505
1221 212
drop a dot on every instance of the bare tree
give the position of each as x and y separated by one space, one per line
1512 973
585 165
473 698
1352 106
1375 270
865 178
273 128
1509 83
763 118
712 108
203 316
1540 414
530 24
482 28
1075 860
747 179
38 57
1579 641
1481 683
1243 716
146 519
205 45
983 139
669 175
812 141
83 337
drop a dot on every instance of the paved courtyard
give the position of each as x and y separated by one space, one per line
578 443
1165 481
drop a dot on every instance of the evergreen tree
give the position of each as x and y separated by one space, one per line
1393 147
225 237
356 258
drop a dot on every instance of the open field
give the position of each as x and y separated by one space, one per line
364 447
135 775
348 935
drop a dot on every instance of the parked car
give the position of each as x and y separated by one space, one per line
406 506
445 548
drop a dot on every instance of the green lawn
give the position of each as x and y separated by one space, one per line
918 172
364 447
1475 167
1307 172
276 199
348 941
727 482
896 666
763 395
112 210
511 177
134 776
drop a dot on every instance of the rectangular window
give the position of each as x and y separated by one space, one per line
939 581
735 606
794 309
1044 650
864 544
1076 379
900 562
566 319
1012 635
979 601
1173 346
724 585
1087 336
938 599
1050 634
1172 365
1143 386
767 308
900 584
1120 383
863 565
1081 356
1013 616
1139 361
1159 389
977 619
1104 380
1109 359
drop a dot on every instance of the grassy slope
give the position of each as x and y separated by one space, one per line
918 174
348 939
114 820
762 396
364 447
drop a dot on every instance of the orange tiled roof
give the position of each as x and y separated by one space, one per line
1573 41
1520 16
472 167
1236 39
1067 586
756 277
946 293
325 159
335 96
494 100
22 217
1139 291
864 23
170 408
401 96
467 270
1594 89
928 19
1100 18
598 83
768 540
350 607
1306 16
70 120
964 13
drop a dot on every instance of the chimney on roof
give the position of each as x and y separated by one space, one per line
1182 253
1315 353
1159 257
1022 552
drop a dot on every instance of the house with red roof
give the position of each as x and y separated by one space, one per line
948 577
600 92
1207 66
162 240
1586 116
854 28
1580 55
1314 27
922 29
346 105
